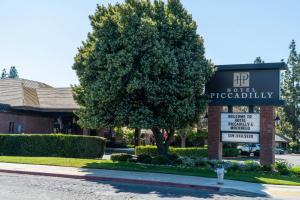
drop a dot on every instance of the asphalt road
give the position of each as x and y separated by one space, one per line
293 159
27 187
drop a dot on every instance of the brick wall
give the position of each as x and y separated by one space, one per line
267 135
214 121
30 123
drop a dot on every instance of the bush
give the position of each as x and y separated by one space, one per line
187 161
173 157
177 162
230 152
184 152
251 166
199 162
295 171
233 166
282 167
121 157
144 158
190 152
160 160
149 150
295 147
267 168
57 145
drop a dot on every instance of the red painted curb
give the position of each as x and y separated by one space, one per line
119 180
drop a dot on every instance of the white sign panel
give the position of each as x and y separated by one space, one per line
240 137
240 122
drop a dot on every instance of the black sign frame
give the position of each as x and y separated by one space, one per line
260 86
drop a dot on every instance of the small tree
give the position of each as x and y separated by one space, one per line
258 60
4 74
142 66
125 133
184 133
13 73
197 138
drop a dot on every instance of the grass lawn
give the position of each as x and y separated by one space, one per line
257 177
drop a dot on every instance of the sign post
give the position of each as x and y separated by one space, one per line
244 85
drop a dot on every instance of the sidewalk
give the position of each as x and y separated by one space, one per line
286 192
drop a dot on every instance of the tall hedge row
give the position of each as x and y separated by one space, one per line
186 152
54 145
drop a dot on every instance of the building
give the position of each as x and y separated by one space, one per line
32 107
282 141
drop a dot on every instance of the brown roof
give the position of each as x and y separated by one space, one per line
33 95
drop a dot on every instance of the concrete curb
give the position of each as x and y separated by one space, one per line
118 180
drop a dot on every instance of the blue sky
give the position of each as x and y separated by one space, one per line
41 37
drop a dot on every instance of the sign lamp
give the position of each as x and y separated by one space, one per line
277 120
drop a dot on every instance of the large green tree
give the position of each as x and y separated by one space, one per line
142 66
291 90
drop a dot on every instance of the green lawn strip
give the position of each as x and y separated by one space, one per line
257 177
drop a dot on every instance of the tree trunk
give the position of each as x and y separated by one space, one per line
183 141
162 146
137 133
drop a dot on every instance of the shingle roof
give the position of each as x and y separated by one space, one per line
33 95
279 138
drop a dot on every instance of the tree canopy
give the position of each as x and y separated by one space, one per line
13 73
142 66
291 90
258 60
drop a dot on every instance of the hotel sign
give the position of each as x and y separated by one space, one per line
255 84
240 127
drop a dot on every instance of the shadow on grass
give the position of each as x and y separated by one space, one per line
139 187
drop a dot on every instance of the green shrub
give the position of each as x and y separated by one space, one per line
149 150
190 152
282 167
58 145
160 160
177 162
295 171
295 147
233 166
187 161
267 168
144 158
250 166
121 157
184 152
173 157
201 163
230 152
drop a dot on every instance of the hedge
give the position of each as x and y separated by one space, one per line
123 157
186 152
57 145
230 152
